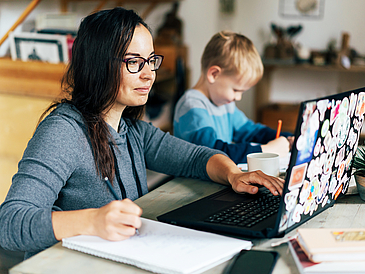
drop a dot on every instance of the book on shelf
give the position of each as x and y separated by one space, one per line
306 266
330 244
163 248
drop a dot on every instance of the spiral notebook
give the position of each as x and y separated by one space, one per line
163 248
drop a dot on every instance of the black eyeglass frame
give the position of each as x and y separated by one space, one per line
141 66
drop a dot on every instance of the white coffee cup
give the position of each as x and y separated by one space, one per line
269 163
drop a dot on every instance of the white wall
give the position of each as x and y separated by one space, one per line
201 19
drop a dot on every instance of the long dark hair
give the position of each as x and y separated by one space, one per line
93 77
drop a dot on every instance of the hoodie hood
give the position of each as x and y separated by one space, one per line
73 113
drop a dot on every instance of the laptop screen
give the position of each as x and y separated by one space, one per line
326 139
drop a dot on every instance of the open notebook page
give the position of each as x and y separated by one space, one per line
163 248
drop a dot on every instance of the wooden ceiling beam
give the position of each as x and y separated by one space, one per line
20 20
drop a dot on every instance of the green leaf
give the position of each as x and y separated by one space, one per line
358 162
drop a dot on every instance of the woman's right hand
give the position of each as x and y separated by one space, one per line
115 221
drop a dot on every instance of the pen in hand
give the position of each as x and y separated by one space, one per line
106 179
279 129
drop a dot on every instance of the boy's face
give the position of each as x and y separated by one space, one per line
227 88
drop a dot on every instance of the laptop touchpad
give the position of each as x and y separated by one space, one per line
229 197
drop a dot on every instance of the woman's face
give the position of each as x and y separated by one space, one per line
135 87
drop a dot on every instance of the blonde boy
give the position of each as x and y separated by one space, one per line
207 114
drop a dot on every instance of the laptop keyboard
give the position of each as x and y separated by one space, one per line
248 214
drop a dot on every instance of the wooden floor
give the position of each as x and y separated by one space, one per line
8 259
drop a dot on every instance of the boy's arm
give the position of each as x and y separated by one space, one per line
266 134
246 130
196 126
206 136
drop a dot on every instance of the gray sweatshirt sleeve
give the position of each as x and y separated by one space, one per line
49 159
170 155
54 154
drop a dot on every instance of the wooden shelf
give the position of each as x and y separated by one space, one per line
332 68
31 78
41 79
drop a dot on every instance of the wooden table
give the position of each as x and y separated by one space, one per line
349 211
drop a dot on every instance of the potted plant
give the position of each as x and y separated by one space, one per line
358 168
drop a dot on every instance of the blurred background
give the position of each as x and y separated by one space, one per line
310 48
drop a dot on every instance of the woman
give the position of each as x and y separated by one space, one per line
59 190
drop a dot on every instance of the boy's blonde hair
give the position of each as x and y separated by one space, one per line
234 54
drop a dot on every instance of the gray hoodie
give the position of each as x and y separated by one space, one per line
57 172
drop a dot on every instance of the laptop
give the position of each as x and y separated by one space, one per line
326 138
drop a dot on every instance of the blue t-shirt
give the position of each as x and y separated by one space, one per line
225 127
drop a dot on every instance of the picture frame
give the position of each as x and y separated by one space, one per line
301 9
27 46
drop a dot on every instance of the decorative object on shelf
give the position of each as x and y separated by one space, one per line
171 30
284 47
332 52
169 43
59 21
346 56
303 54
42 47
227 6
358 167
343 57
304 9
319 58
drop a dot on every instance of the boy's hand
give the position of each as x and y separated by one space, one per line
291 142
279 146
246 181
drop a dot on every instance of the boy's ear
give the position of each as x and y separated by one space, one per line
212 73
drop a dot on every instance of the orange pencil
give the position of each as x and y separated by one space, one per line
279 129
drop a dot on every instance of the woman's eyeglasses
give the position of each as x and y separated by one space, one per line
136 64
